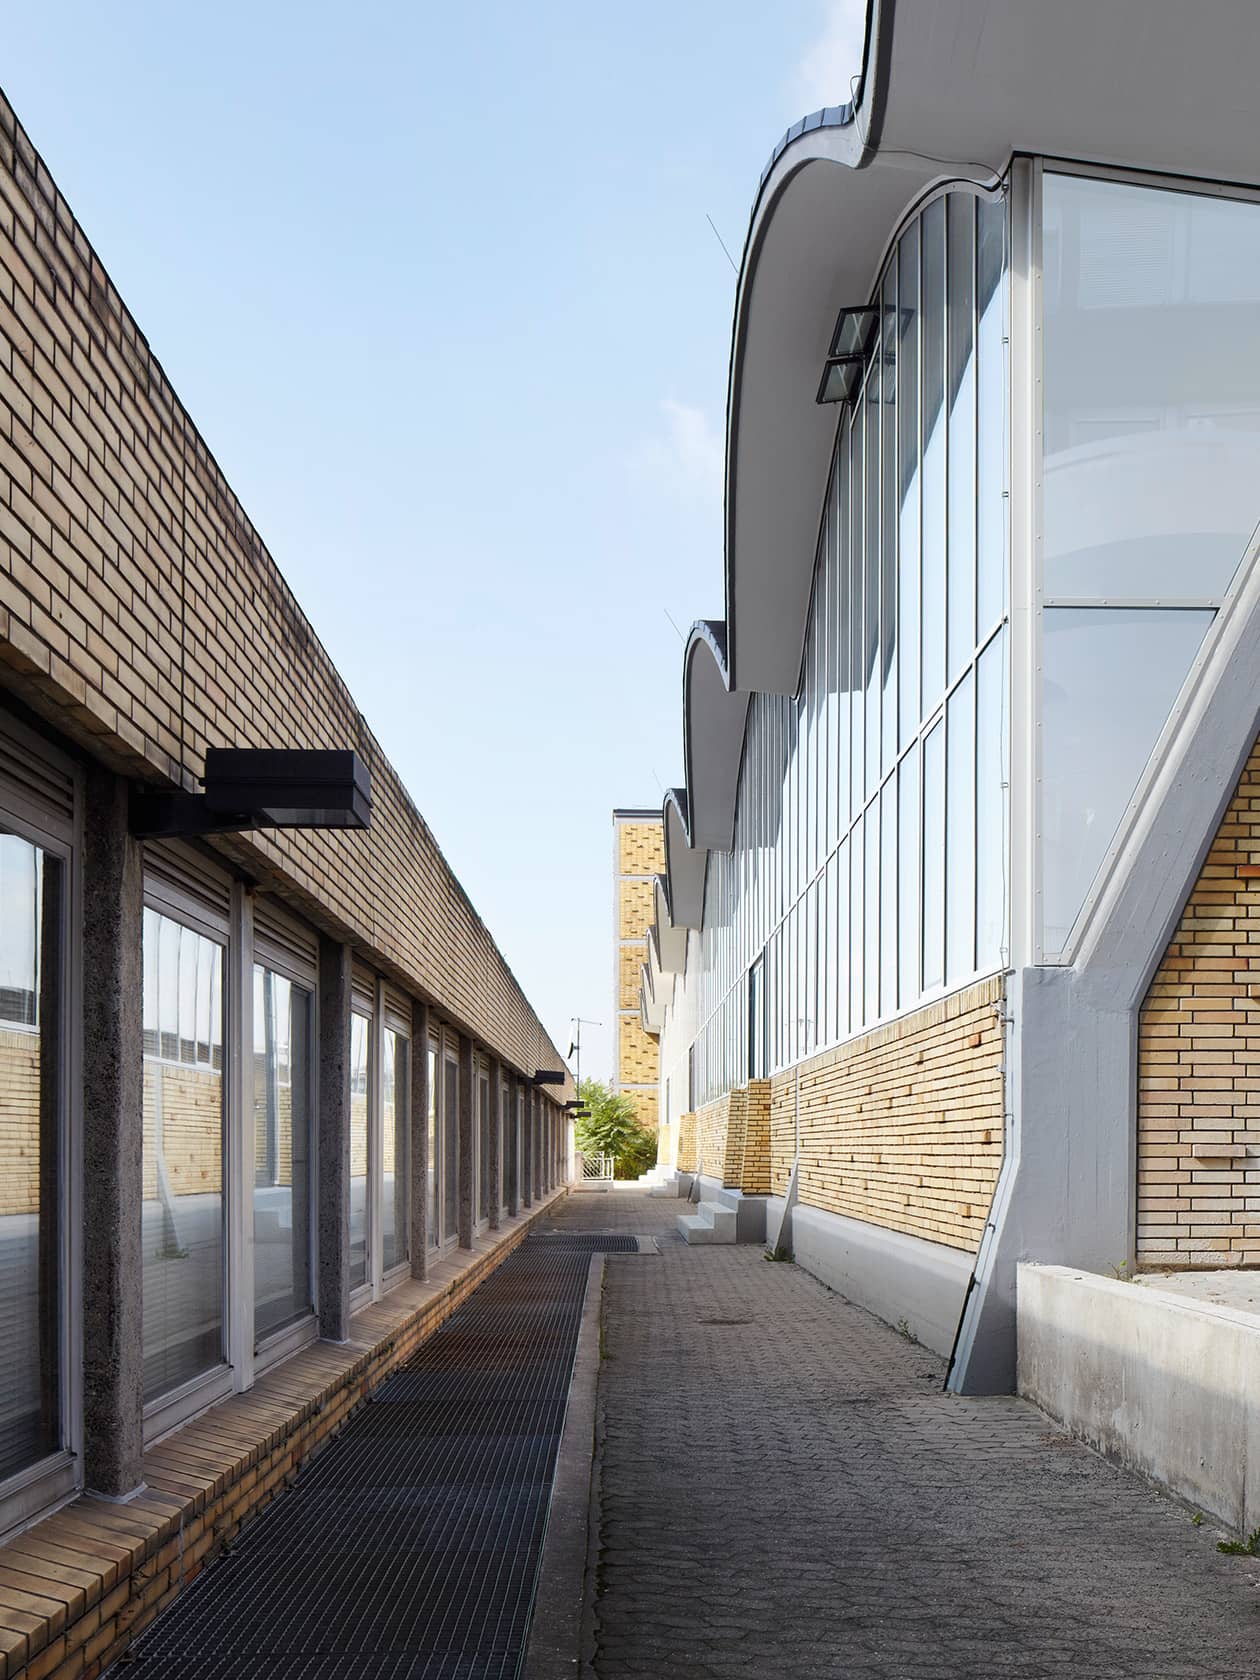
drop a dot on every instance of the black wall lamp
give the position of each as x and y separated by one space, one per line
266 787
549 1076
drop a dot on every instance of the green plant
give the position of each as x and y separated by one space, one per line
779 1253
903 1329
1197 1519
612 1128
1250 1547
1121 1272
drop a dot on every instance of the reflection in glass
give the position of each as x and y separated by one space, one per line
435 1232
933 453
1151 408
360 1038
1110 677
182 1208
483 1147
908 480
960 832
396 1148
990 413
961 220
990 805
30 1133
934 858
282 1151
450 1149
888 898
908 880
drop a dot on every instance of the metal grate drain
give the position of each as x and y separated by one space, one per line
409 1549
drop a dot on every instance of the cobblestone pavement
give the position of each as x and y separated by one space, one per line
786 1492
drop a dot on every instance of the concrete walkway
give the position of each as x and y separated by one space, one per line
785 1491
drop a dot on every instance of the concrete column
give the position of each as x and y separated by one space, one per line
334 1140
527 1146
496 1134
513 1197
467 1141
419 1139
113 1140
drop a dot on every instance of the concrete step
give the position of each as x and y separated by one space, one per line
710 1223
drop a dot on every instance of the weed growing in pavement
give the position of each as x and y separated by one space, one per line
1197 1519
1250 1547
776 1254
903 1329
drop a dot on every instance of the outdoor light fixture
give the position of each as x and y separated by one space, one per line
267 787
549 1076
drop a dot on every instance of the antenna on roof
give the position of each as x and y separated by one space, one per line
730 259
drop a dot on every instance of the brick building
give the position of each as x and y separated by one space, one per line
638 860
964 872
273 1100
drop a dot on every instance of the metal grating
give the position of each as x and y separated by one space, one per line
409 1548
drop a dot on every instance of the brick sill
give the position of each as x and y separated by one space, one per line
76 1587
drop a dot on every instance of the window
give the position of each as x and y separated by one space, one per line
450 1145
32 887
360 1126
182 1210
850 882
283 1157
483 1145
1151 446
395 1149
433 1180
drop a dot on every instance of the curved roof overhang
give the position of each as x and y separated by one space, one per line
713 737
685 866
949 90
669 942
653 998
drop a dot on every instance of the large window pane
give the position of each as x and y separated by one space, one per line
182 1208
450 1149
1151 407
960 832
908 879
856 638
844 936
483 1147
283 1122
991 735
396 1149
870 654
30 1132
888 626
933 867
991 473
435 1211
908 483
961 637
888 897
1110 678
933 454
857 967
360 1039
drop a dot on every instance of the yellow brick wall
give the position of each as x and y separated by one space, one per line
646 1105
755 1168
631 959
192 1128
142 613
638 1053
686 1148
1199 1062
637 907
19 1122
641 848
902 1127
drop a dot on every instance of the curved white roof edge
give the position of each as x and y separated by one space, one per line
713 737
652 1002
685 866
949 91
669 941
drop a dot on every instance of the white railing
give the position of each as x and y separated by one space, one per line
597 1168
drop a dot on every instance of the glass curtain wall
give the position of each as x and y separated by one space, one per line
395 1149
1151 490
868 869
182 1209
360 1118
31 889
283 1154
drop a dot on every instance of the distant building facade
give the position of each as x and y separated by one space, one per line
638 863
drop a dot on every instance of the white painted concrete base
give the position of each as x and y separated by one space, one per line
1167 1384
916 1285
724 1216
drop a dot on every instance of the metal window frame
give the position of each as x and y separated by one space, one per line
40 1487
389 1019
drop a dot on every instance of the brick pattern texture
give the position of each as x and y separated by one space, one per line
142 614
19 1121
638 1054
1199 1062
636 907
641 848
902 1127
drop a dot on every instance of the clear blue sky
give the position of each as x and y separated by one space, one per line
437 286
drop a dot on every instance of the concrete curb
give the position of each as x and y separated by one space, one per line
554 1651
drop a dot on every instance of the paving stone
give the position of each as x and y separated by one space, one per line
791 1493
